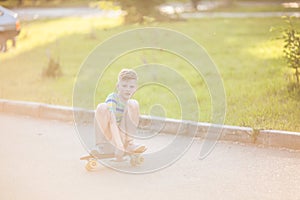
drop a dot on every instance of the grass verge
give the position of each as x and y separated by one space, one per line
250 61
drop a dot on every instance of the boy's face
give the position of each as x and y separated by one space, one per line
126 88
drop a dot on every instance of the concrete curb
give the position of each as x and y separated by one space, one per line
269 138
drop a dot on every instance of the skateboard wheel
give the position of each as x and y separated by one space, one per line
92 165
141 159
133 162
136 160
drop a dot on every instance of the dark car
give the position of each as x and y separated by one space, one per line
9 27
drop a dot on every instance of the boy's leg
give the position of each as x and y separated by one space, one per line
102 119
106 129
129 125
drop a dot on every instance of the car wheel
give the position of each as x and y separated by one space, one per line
14 42
3 47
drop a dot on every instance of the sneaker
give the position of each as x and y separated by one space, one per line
105 148
119 155
136 148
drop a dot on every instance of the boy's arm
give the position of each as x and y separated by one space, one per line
112 105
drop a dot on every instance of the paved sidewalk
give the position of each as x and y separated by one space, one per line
40 160
238 14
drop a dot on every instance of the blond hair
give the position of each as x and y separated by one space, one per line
127 74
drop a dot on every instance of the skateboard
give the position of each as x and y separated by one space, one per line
94 156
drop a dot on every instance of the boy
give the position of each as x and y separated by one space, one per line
117 119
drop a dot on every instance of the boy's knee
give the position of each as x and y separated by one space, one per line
102 112
102 107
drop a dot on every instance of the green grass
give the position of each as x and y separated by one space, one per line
250 62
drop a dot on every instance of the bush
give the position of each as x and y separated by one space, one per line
53 69
291 49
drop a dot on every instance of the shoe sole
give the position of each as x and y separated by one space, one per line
140 149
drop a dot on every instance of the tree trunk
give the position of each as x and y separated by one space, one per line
195 4
228 3
297 75
20 2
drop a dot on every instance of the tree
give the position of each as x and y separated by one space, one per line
138 9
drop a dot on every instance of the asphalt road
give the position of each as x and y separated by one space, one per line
28 14
40 160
